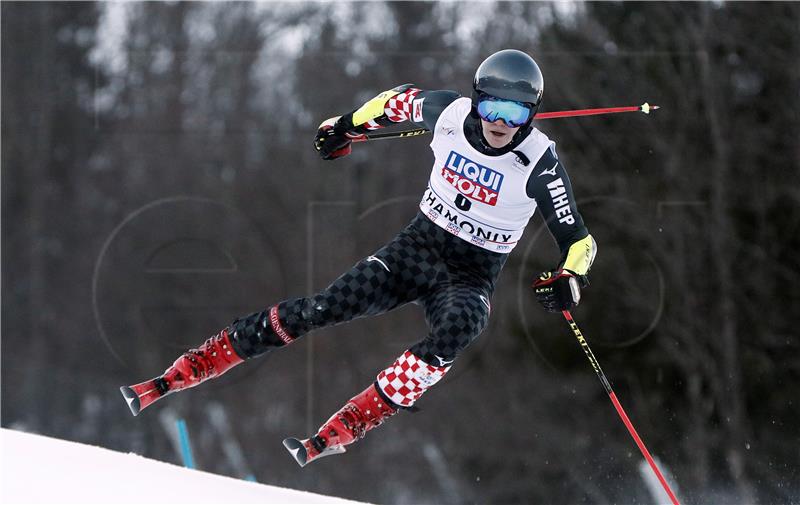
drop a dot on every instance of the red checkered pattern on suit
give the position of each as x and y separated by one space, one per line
409 377
397 109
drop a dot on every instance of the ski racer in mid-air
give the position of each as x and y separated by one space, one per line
492 170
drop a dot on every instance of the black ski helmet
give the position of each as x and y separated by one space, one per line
509 74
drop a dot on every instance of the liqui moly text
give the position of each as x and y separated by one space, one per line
472 180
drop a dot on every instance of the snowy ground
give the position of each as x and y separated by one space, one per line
38 469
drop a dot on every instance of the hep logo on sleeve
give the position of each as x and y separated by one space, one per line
472 180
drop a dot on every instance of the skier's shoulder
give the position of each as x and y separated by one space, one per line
430 104
438 97
540 136
538 147
541 150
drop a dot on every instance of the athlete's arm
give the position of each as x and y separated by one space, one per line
549 185
403 103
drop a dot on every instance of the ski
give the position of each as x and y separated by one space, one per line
306 451
142 395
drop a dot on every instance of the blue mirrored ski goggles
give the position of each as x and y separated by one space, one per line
513 113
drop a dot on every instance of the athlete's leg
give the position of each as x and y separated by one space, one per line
399 272
456 315
457 310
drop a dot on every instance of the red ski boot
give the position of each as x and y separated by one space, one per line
212 359
363 412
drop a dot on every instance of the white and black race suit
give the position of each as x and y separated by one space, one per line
477 197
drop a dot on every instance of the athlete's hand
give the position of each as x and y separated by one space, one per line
332 141
559 290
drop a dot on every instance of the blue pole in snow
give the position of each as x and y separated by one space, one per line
186 447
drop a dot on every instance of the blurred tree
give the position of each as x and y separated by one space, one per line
47 112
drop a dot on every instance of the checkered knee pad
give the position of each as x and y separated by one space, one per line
407 378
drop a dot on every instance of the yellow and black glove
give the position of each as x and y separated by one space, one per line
559 290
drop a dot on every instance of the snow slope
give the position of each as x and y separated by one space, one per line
37 469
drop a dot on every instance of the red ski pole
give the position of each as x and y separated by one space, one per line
645 107
617 405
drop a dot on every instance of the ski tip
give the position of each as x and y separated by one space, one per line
297 450
132 399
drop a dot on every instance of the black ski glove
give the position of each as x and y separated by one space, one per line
332 140
559 290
